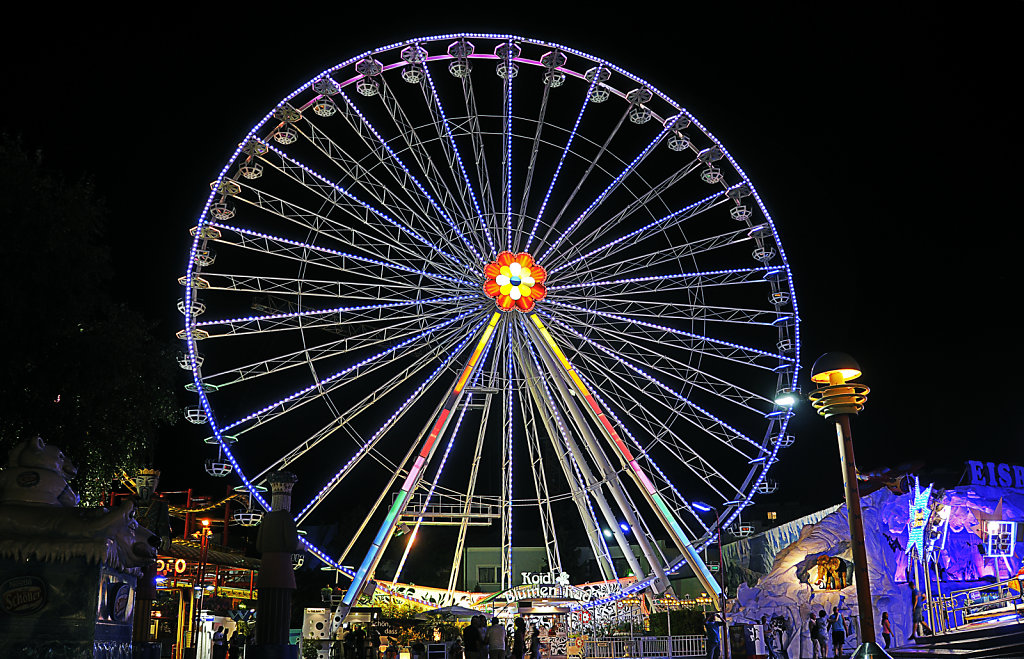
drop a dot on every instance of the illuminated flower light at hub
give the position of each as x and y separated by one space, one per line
514 280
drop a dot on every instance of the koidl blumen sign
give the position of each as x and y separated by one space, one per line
996 474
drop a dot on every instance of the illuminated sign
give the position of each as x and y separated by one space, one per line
171 566
919 512
996 474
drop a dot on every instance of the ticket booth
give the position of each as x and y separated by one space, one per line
551 616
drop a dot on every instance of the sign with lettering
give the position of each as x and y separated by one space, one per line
22 595
996 474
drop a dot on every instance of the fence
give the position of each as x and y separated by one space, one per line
615 647
979 604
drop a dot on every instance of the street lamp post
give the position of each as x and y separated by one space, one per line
837 399
705 507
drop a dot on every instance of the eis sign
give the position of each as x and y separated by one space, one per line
996 474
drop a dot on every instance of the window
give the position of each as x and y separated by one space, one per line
773 515
487 574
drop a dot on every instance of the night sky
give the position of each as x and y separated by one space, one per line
885 145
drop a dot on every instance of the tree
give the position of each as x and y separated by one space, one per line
80 369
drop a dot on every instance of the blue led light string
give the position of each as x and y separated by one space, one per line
458 159
633 367
640 450
697 206
342 373
444 459
561 159
670 330
412 177
407 230
334 252
601 197
705 382
507 147
509 410
427 381
335 310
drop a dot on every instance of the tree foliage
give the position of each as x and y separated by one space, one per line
80 369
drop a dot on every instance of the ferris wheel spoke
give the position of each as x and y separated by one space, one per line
629 169
479 156
297 250
591 483
662 312
668 489
337 317
634 207
419 153
356 338
678 281
319 391
285 286
555 427
660 433
561 159
345 201
459 339
436 109
388 247
386 155
345 417
534 150
304 395
697 343
659 362
609 250
702 419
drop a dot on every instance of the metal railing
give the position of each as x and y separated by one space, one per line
616 647
981 603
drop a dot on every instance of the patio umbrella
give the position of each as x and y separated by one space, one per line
459 612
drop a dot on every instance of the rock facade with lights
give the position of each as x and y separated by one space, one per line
67 574
791 589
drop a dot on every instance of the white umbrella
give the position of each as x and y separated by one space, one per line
454 610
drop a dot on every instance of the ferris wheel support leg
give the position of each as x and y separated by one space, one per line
427 448
547 414
606 475
655 499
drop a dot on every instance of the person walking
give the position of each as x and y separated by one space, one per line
917 607
496 640
711 632
220 643
820 634
886 629
837 625
518 638
471 641
534 642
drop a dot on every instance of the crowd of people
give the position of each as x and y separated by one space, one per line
480 641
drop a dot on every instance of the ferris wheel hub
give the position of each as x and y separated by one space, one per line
515 281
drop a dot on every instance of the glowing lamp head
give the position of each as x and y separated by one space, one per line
835 368
944 512
205 522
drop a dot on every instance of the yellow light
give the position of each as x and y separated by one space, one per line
205 522
842 374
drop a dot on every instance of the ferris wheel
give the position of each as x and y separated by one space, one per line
484 284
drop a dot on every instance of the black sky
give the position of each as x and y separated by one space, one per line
885 143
